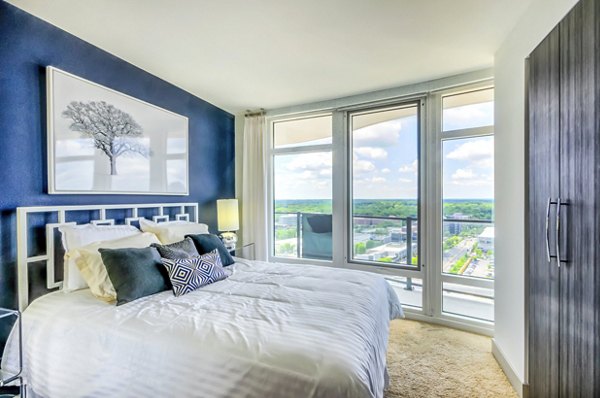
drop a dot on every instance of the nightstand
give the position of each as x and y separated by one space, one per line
243 251
6 377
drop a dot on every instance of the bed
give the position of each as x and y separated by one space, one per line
269 330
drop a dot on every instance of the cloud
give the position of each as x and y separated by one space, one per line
362 166
467 177
310 161
410 167
307 175
479 153
371 152
378 180
385 170
325 172
463 174
405 180
378 135
303 176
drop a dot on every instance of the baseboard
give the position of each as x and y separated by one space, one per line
465 325
512 377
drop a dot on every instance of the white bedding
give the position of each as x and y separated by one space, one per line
269 330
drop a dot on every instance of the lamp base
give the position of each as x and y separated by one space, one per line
229 240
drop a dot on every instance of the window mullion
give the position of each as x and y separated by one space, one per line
339 189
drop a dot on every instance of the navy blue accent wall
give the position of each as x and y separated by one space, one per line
27 46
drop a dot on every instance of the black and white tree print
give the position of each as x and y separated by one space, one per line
114 131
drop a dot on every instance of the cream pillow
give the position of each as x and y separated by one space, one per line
92 268
173 231
76 236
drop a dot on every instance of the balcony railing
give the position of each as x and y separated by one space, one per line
386 240
303 235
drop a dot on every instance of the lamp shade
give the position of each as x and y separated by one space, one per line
227 215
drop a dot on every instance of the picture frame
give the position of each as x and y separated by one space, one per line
102 141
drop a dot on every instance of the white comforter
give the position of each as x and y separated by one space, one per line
269 330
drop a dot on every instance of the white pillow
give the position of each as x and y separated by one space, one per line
93 271
172 231
75 236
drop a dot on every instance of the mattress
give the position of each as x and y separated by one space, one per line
269 330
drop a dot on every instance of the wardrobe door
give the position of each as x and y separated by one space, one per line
579 164
543 94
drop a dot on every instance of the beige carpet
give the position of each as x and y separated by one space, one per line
426 360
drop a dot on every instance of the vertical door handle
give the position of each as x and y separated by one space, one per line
559 204
548 204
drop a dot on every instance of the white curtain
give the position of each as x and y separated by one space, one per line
254 185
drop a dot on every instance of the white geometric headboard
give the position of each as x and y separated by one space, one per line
61 213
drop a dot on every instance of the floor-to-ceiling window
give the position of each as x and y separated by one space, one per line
384 192
403 188
467 148
385 185
301 189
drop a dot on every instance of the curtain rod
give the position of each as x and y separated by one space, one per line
254 113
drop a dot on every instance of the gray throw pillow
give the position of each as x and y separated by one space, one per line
178 250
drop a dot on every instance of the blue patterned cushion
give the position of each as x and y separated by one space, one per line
189 274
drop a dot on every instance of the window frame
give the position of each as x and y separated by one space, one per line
272 153
430 185
419 104
437 278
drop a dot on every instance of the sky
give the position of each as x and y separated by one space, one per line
385 161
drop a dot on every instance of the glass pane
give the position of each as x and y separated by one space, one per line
409 290
302 194
302 132
474 302
468 188
385 185
468 110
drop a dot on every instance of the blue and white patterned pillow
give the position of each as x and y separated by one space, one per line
189 274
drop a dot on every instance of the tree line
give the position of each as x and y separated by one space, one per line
480 209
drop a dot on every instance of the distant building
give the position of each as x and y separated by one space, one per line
454 228
486 239
400 234
397 235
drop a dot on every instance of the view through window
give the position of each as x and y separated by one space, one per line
385 185
302 172
468 203
383 197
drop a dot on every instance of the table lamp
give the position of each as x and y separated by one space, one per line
228 221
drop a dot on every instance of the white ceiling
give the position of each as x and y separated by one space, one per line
240 54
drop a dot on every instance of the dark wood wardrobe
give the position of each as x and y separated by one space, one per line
563 211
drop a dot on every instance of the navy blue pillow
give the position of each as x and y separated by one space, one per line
135 273
205 243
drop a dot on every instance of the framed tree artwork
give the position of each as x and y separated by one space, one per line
101 141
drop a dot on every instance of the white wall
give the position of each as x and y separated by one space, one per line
509 71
